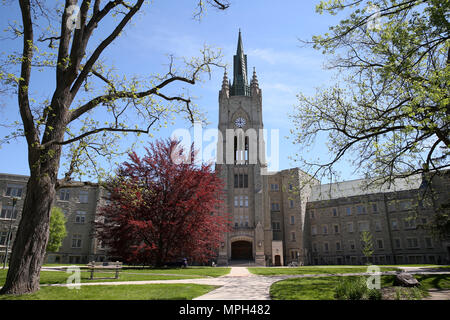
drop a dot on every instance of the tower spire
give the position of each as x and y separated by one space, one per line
240 85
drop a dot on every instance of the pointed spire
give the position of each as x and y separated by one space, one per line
225 85
240 47
240 83
225 82
254 82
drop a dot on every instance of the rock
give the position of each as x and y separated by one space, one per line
405 280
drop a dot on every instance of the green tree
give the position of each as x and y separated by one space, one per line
57 230
367 245
389 110
68 41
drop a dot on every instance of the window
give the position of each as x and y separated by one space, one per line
374 208
276 226
380 244
315 247
338 245
336 228
412 242
64 195
275 206
351 244
325 247
7 213
293 236
348 210
429 242
410 223
350 227
405 205
397 243
394 224
291 203
241 180
377 225
83 196
292 219
324 229
4 237
313 230
76 241
13 190
246 201
361 209
80 217
334 212
236 201
274 187
241 221
363 226
311 214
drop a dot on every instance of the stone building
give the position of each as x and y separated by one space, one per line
277 217
280 217
79 205
396 217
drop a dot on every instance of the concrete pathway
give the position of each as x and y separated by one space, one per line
436 294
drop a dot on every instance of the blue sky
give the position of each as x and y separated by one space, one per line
271 31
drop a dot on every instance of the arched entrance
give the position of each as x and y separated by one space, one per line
241 250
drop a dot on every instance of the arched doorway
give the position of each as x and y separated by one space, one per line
241 250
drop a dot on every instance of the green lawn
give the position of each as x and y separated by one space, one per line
323 288
52 277
263 271
120 292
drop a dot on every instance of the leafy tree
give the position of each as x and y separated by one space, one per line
57 230
69 44
389 111
367 245
161 208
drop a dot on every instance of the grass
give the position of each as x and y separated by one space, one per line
121 292
313 270
323 288
54 277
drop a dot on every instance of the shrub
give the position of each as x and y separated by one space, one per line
356 289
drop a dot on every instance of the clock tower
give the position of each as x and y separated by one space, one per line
241 164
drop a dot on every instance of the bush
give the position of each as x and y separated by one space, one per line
356 289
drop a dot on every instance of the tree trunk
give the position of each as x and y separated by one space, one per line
28 251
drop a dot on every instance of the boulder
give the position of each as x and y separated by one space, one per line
405 279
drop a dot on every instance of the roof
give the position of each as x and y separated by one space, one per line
362 187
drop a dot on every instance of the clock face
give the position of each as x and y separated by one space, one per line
240 122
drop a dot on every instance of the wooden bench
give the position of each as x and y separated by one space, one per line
101 266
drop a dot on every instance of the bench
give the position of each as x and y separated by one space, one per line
101 266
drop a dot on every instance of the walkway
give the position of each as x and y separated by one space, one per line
240 284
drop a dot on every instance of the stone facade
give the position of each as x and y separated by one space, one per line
79 205
396 217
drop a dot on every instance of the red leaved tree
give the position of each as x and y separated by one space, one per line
163 207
